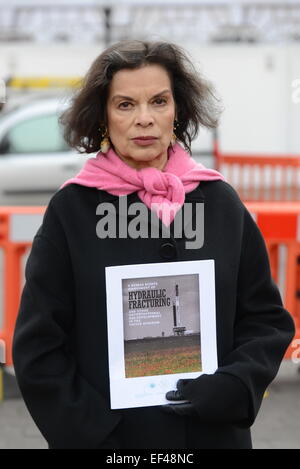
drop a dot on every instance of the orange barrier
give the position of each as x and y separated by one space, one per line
270 187
259 177
279 223
14 241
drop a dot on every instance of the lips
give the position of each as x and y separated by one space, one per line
145 141
150 137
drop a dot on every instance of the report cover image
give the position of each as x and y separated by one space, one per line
161 325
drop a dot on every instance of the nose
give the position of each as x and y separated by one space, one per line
144 117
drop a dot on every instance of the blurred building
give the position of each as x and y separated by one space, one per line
104 21
249 50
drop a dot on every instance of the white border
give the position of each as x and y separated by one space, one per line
151 390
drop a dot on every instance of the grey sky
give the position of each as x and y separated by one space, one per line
153 321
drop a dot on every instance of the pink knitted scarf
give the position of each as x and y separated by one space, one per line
161 190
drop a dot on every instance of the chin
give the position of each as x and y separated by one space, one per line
154 151
145 155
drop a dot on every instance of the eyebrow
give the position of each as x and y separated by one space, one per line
118 96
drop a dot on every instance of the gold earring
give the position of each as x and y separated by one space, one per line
105 142
174 137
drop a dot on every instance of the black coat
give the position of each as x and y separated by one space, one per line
60 342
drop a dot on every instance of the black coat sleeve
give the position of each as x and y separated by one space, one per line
263 327
69 412
262 332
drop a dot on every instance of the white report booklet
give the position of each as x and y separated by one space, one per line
161 328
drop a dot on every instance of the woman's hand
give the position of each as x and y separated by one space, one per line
184 408
216 398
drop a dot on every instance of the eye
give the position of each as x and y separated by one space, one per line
126 104
162 100
122 104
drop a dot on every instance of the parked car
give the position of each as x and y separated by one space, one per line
34 158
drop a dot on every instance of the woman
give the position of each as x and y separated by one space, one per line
142 104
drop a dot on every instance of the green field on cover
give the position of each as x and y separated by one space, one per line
162 355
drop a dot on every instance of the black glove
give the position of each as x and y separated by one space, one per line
184 409
217 398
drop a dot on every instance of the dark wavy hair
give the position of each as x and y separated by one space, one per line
195 99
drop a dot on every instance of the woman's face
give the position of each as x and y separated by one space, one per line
141 104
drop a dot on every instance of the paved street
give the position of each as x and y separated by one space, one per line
278 423
277 426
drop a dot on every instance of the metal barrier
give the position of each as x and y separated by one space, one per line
279 223
258 177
